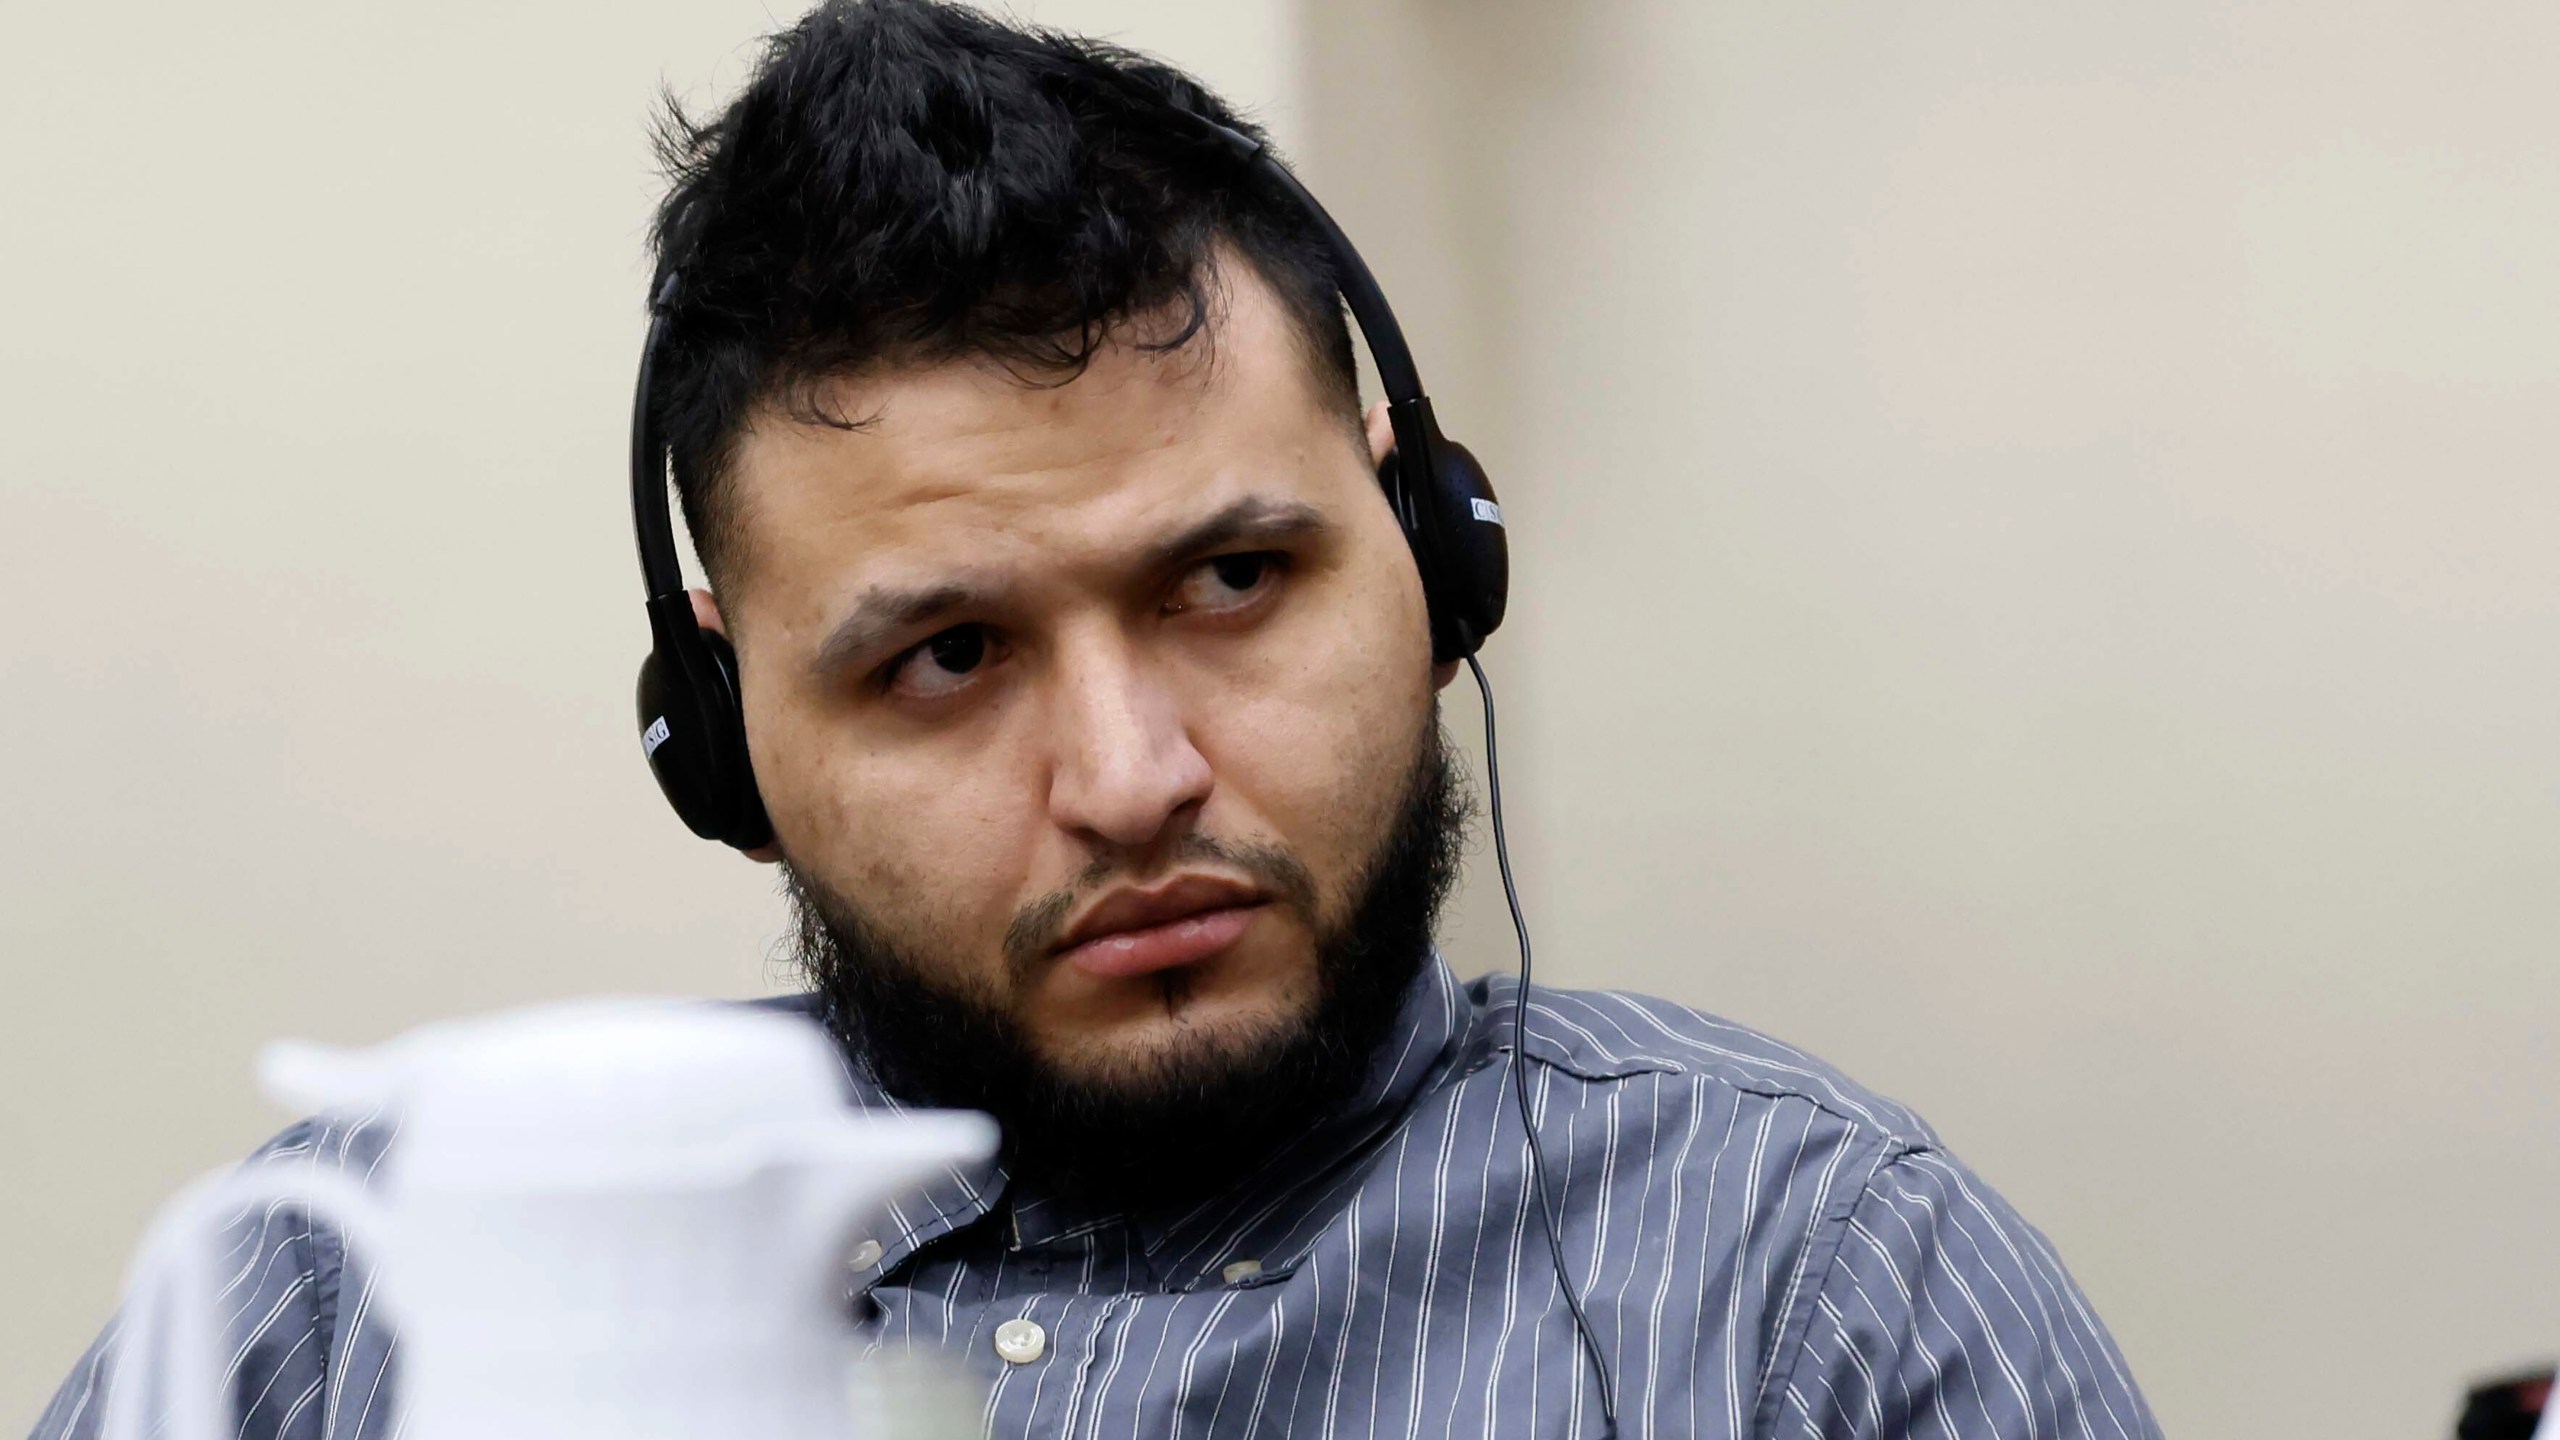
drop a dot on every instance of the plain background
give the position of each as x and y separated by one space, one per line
2034 532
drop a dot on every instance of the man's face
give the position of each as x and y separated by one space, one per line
1100 699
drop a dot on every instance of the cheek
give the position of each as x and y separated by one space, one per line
937 853
1319 747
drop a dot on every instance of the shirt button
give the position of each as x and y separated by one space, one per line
864 1255
1240 1271
1019 1342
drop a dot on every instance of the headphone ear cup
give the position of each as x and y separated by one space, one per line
1454 525
693 731
748 827
1475 549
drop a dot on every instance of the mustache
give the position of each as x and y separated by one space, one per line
1037 927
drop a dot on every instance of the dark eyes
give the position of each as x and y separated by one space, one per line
1226 583
946 661
960 650
943 663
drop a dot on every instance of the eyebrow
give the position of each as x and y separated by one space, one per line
1254 518
885 610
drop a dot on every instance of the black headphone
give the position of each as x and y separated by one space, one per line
693 725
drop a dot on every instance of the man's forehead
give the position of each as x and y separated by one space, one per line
894 456
942 451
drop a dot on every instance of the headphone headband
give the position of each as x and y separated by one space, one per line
660 570
1368 304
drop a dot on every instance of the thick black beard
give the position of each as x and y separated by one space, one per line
1189 1121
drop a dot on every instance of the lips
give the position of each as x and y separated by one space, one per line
1181 922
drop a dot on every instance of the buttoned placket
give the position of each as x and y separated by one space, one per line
1043 1369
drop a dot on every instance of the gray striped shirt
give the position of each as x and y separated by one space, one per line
1764 1248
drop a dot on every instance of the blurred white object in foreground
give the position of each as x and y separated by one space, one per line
606 1217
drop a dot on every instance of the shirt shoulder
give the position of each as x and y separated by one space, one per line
1601 1036
287 1327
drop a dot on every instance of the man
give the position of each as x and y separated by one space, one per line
1090 688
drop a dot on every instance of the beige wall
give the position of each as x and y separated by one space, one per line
2035 539
319 324
2033 583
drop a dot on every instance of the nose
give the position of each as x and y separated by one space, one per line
1126 767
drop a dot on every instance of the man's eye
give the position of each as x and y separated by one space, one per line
943 663
1228 582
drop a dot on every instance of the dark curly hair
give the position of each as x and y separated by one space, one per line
913 181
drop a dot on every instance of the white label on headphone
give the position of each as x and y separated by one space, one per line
1486 511
654 736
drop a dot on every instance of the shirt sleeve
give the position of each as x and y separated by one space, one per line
1945 1314
277 1298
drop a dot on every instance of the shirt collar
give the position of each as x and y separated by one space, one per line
958 1195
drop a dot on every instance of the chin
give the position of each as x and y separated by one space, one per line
1178 1022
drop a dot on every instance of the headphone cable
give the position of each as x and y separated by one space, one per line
1590 1342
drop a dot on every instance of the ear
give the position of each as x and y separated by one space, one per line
706 613
1382 434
